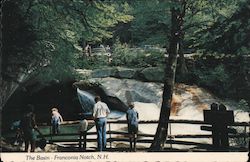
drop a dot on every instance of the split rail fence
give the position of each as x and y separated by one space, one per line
177 139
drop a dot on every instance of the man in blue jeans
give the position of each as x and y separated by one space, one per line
100 114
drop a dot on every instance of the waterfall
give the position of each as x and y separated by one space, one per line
86 100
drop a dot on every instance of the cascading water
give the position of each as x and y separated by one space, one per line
86 100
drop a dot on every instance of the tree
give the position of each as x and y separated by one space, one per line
201 16
183 66
151 24
170 69
229 34
198 11
42 37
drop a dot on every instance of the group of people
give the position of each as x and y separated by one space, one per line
100 113
220 120
28 125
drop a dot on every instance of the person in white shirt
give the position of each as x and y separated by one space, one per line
100 114
83 126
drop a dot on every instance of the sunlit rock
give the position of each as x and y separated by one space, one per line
188 104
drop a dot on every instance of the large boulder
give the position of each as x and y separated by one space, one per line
128 90
153 74
126 73
102 73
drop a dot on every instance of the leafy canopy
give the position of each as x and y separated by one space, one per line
48 32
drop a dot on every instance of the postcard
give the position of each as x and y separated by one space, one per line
125 81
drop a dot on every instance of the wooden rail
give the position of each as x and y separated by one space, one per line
125 138
150 122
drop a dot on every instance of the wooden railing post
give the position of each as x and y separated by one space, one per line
50 132
170 135
245 132
85 140
110 142
80 141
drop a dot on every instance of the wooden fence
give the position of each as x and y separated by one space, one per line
172 138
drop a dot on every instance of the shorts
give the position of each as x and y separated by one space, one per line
132 129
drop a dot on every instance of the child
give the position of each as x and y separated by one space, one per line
83 131
132 120
56 120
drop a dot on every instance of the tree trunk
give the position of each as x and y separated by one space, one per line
170 69
182 62
183 66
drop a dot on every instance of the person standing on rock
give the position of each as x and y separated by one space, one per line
100 114
132 120
56 120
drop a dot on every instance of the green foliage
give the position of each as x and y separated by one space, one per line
214 78
207 24
243 105
44 35
93 62
135 57
151 22
223 75
59 66
228 30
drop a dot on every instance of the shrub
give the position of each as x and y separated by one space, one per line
215 79
243 105
122 55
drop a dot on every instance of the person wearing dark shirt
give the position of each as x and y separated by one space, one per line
83 127
132 120
28 127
